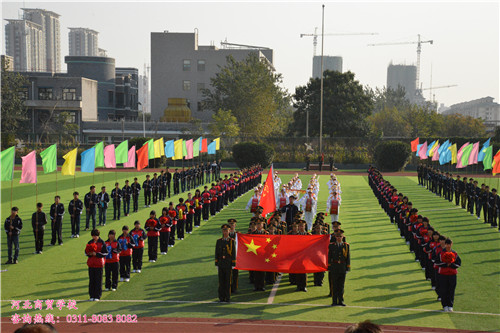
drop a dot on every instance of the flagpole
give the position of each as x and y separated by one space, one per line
11 189
56 178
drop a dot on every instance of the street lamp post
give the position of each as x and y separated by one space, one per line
321 89
143 121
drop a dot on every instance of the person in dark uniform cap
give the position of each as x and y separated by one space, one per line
232 234
225 260
339 263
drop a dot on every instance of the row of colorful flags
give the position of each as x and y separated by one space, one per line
468 154
105 156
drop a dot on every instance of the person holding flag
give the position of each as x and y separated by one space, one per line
225 260
339 263
126 193
309 203
38 222
90 201
56 216
136 190
75 208
13 225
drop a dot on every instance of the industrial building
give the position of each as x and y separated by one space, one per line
330 63
180 68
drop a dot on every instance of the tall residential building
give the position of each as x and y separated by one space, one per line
180 68
406 77
49 21
144 93
83 42
329 64
25 43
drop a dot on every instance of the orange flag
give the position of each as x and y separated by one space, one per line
267 200
496 163
142 157
414 145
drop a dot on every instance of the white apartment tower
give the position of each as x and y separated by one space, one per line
83 42
25 43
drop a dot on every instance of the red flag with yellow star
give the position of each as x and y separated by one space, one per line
267 200
282 253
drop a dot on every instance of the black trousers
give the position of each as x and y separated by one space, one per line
137 258
197 217
171 241
56 231
75 225
447 285
301 280
234 281
125 266
38 240
337 287
126 206
111 272
176 187
155 195
180 228
259 280
136 203
153 247
147 198
95 282
205 211
318 278
116 209
225 284
164 239
189 223
213 205
168 189
162 193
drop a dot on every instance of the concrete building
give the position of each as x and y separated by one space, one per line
126 93
83 42
25 43
47 95
102 70
49 21
8 62
180 68
330 63
482 108
403 76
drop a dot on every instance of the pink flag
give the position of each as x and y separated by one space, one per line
28 174
423 151
459 156
473 154
131 158
109 156
435 156
189 149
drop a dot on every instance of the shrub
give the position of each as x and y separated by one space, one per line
246 154
392 155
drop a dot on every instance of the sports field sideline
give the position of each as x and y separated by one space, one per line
385 284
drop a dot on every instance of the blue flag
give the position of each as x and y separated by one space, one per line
88 160
169 149
480 155
201 142
443 147
418 148
429 147
445 154
211 148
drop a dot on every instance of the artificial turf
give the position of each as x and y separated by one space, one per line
385 285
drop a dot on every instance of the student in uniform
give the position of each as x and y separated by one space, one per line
206 203
155 186
112 265
339 263
259 276
198 207
102 202
90 201
232 234
126 193
56 217
166 226
162 181
116 195
146 186
136 190
139 235
301 279
38 222
189 213
96 251
168 177
172 213
225 260
182 213
448 262
126 242
153 228
75 208
318 277
13 225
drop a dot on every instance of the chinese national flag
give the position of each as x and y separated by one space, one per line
267 200
414 145
282 253
142 157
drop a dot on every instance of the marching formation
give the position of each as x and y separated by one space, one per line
293 216
432 250
468 194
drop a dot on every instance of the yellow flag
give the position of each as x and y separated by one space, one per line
177 150
159 148
434 148
453 150
217 144
68 168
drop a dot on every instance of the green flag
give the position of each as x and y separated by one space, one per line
151 149
49 159
488 158
121 152
184 149
7 160
99 155
465 154
196 148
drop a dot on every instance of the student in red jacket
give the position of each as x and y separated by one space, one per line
190 213
126 243
112 261
181 209
198 206
172 213
153 228
448 263
95 251
206 203
138 235
166 226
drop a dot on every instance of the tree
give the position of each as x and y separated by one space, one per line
224 124
346 105
253 92
195 128
14 112
388 98
465 126
389 122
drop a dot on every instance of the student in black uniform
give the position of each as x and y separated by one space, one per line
225 260
56 216
168 177
13 225
136 190
38 222
126 194
155 186
146 186
90 201
339 263
116 195
75 208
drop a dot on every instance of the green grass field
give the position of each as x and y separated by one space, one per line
385 284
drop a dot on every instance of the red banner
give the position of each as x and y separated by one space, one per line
282 253
204 147
142 157
267 200
414 145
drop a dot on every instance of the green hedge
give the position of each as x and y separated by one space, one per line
246 154
392 155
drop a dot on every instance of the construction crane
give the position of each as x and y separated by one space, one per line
315 36
419 50
431 96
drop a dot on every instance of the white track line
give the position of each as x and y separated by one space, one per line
288 304
276 284
435 210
